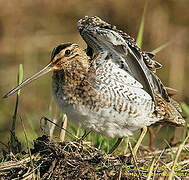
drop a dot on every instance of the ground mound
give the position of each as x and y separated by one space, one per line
72 160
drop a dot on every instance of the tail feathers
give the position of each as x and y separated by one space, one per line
176 105
170 111
174 114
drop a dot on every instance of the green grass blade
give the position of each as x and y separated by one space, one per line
20 77
172 153
141 28
15 145
155 51
19 80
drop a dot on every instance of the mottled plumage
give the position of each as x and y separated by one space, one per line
103 37
111 87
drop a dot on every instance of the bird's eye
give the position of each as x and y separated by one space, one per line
67 52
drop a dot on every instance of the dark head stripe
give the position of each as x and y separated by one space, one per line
59 48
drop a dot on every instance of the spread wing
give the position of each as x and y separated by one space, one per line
132 72
101 36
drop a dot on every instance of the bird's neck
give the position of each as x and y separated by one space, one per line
73 79
76 81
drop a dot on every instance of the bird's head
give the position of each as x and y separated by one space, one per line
65 57
68 56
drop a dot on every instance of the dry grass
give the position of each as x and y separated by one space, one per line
71 160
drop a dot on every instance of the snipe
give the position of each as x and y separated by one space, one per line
111 87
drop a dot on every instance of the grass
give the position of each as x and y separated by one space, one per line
14 144
70 159
139 39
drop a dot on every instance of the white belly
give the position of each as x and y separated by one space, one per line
106 121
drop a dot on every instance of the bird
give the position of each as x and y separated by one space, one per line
111 87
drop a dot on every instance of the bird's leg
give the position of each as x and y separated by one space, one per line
135 149
115 145
152 137
158 129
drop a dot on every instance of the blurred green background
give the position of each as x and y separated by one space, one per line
29 30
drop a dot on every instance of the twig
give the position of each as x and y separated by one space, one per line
181 146
134 159
151 169
60 127
173 149
120 172
27 175
6 166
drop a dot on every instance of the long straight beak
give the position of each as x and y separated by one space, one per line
45 70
